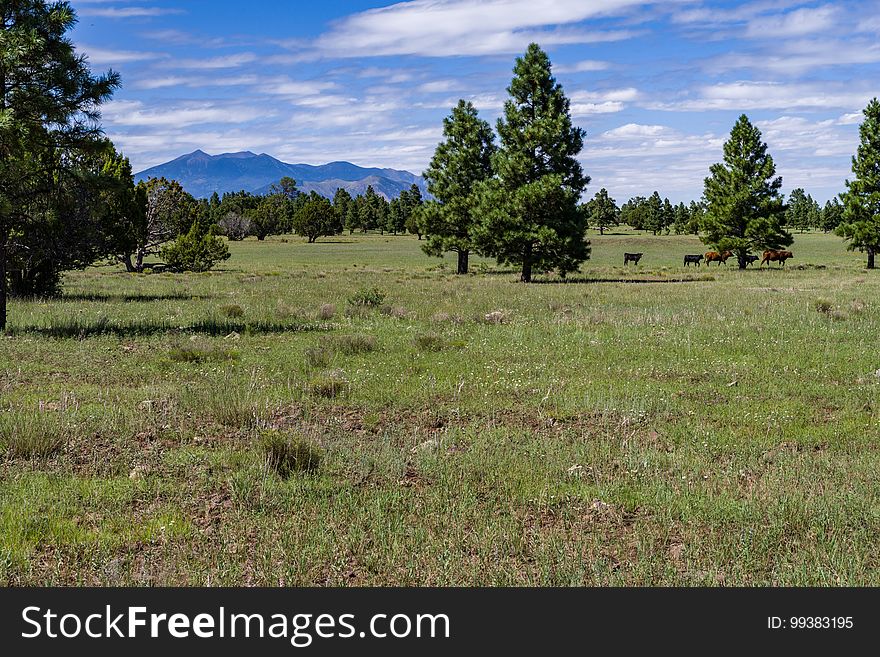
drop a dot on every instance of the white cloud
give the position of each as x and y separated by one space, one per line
748 95
439 86
801 56
129 12
438 28
795 23
584 103
116 57
583 66
224 61
134 113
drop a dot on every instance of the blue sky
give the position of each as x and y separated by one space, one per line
657 86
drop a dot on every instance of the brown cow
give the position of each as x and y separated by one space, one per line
714 256
776 256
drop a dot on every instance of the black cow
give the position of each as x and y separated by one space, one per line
688 259
751 259
631 257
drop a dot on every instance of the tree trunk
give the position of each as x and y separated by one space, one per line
126 260
3 285
870 257
742 261
139 259
526 276
601 230
463 262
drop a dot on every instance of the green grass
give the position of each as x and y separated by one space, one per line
643 425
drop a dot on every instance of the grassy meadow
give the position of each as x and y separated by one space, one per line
256 425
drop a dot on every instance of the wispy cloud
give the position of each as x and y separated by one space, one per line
442 28
129 12
749 95
115 57
795 23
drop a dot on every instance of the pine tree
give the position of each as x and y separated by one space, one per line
861 200
49 114
744 208
654 216
460 163
832 215
529 212
602 211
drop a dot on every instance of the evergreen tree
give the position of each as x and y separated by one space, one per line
273 215
529 212
634 213
680 219
198 250
697 211
802 212
832 215
316 218
668 215
602 211
49 114
371 210
744 208
861 200
341 202
460 163
654 215
353 215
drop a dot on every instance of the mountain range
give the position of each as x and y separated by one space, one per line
202 175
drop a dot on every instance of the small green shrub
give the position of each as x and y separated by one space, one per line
232 311
369 296
318 356
195 353
349 345
824 306
197 251
329 385
288 454
429 342
32 435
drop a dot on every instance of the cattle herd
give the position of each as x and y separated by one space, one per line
771 255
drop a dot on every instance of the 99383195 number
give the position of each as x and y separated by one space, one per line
820 622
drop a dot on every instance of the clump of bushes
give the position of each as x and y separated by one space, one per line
198 353
197 250
824 306
349 345
371 297
287 454
318 356
31 435
232 311
329 385
429 342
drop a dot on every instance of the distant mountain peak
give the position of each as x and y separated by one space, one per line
202 174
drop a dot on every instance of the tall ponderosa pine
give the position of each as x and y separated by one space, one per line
861 200
744 208
49 103
529 212
602 211
460 163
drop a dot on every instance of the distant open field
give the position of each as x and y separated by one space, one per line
698 427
